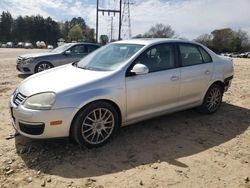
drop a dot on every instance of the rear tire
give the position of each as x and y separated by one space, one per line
212 100
95 124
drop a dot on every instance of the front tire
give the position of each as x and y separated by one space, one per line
212 100
43 66
95 124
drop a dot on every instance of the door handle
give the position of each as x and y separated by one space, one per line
174 78
207 72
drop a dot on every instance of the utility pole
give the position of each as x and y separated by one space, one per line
126 21
111 29
96 36
114 11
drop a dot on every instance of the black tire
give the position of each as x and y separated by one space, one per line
45 66
212 100
83 133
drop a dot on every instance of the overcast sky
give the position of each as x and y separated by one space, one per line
189 18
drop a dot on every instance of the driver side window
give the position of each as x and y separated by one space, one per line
157 58
78 49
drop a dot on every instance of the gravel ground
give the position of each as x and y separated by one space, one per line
184 149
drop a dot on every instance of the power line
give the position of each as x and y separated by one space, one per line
126 20
114 11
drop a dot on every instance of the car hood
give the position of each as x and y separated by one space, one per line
35 55
59 79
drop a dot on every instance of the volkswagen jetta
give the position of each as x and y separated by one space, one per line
120 84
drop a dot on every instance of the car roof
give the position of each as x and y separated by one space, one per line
91 43
149 41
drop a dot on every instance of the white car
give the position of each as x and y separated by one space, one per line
50 47
119 84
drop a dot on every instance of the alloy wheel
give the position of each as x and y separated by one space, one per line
98 125
213 99
43 67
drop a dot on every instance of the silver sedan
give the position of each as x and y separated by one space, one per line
119 84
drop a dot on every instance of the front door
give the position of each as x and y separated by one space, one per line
77 52
156 91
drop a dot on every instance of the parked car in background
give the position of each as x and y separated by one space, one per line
241 55
28 45
20 44
234 55
9 45
119 84
3 45
67 53
225 54
246 54
50 47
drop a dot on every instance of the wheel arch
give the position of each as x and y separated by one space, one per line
220 83
99 100
40 62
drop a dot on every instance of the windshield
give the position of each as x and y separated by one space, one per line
61 48
109 57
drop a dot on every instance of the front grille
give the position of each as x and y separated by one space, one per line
35 129
18 98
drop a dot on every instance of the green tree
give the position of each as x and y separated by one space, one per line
6 26
19 29
242 41
38 28
78 21
64 29
89 34
52 31
205 39
226 40
75 33
160 31
223 39
104 39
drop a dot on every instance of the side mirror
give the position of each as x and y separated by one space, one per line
140 69
68 52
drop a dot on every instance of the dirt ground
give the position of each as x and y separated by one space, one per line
184 149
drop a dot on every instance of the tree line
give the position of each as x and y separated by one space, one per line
219 40
37 28
226 40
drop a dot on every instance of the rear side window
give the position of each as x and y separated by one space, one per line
190 55
206 57
92 48
78 49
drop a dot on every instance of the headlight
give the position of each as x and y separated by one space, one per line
27 61
41 101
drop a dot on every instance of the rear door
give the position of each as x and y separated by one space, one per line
196 72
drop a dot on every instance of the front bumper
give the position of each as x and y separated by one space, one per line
36 123
23 68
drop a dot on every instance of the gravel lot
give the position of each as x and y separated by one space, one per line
185 149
